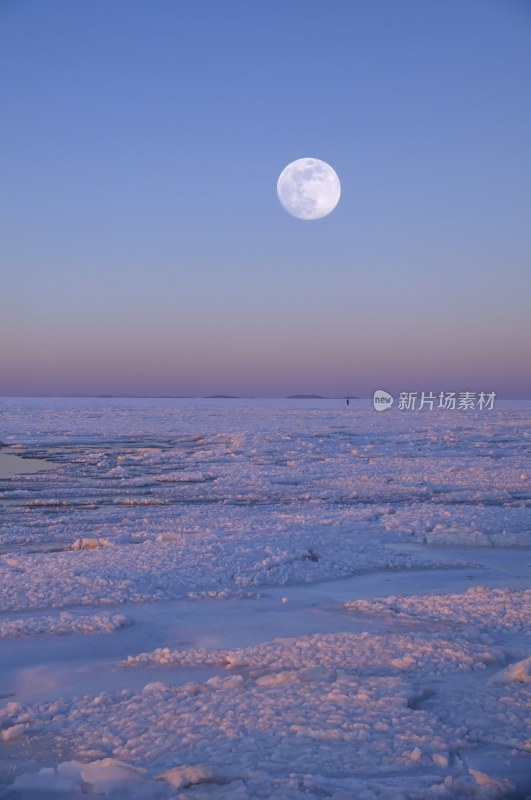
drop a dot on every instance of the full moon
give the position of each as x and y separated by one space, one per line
308 188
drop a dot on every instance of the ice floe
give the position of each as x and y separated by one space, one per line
162 503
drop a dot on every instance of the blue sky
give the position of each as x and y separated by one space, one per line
142 245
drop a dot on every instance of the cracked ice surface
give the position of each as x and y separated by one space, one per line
153 506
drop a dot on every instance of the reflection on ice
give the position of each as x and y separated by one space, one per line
13 464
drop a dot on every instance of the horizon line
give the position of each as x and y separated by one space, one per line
210 397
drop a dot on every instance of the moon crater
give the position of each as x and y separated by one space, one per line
308 188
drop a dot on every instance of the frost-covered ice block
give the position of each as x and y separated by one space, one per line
479 608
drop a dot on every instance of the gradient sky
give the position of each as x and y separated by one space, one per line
142 246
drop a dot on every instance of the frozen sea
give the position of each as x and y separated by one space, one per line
263 599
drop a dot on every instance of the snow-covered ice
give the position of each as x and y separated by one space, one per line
479 607
263 599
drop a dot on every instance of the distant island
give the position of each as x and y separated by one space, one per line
222 397
306 397
320 397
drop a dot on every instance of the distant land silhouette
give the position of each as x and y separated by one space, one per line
320 397
192 396
306 397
